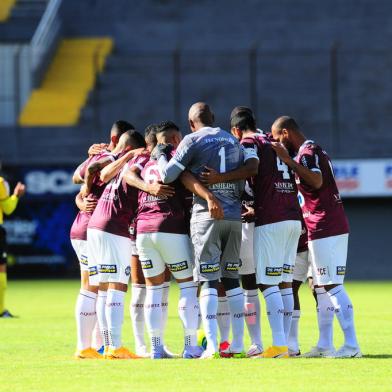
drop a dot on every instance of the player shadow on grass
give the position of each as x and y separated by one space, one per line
377 356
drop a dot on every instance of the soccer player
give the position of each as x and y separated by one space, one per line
328 231
85 309
216 242
137 278
8 204
277 226
162 240
110 250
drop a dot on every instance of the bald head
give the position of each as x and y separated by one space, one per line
285 122
200 115
286 130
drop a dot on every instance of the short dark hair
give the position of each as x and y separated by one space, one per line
244 121
166 125
137 138
150 134
122 126
285 122
240 109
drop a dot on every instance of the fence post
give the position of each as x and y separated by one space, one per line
253 80
334 86
177 85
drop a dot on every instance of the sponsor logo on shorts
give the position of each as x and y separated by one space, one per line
177 267
207 268
340 270
107 269
273 271
288 269
233 266
83 259
128 271
92 271
146 264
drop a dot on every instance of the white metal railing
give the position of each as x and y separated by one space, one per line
46 33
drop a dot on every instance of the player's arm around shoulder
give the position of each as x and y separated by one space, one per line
170 170
308 170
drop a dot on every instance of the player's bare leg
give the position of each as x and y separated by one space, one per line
223 318
345 315
252 313
138 296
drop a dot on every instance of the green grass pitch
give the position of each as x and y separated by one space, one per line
36 350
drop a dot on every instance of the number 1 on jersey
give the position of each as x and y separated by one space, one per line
222 154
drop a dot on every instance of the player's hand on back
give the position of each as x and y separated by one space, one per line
89 204
209 176
97 148
249 215
20 189
214 207
160 190
281 151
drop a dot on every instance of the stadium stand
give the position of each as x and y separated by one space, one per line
69 79
5 9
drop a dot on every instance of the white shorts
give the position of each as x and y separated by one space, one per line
246 253
134 248
80 248
302 267
109 257
328 257
156 250
275 248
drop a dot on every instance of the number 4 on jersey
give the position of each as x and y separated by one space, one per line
283 168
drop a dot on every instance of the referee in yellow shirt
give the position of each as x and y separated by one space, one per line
8 204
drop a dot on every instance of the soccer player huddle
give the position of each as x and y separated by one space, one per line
225 214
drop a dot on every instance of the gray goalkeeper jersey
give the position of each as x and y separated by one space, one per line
214 148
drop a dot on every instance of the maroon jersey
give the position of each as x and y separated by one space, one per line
303 239
117 206
165 215
274 185
79 226
322 208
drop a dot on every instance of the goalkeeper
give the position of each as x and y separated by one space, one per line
7 206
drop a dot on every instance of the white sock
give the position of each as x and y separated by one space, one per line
188 310
252 315
293 335
86 317
235 297
288 307
345 314
223 318
165 309
96 341
208 309
153 314
115 316
136 309
325 313
101 316
274 305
